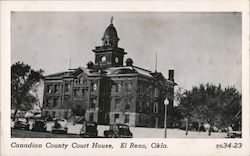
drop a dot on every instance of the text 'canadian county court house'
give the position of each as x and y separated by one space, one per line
107 91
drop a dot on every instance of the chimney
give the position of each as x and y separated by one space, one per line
171 75
129 62
90 65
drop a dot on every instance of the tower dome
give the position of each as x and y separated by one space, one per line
110 37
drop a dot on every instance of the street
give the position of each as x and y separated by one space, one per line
137 133
16 133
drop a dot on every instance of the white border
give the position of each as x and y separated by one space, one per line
176 146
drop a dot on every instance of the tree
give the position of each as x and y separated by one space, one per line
78 108
23 82
210 103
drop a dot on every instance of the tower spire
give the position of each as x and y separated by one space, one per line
156 62
111 20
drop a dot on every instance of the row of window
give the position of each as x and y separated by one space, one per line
127 103
80 80
79 92
147 102
140 105
55 88
54 101
147 89
118 87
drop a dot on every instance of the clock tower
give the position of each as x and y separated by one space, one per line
109 54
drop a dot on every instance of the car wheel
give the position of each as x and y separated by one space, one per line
113 136
110 136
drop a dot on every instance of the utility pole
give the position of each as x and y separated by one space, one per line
165 117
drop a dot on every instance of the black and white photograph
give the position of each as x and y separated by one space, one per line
126 78
126 74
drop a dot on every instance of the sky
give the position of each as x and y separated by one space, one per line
200 47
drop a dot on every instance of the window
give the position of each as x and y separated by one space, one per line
66 115
128 86
116 118
155 107
156 92
49 89
67 87
127 104
118 88
147 103
55 100
117 102
92 103
151 91
56 88
140 106
93 87
140 118
53 114
81 80
47 102
91 116
83 92
76 92
126 118
61 100
140 88
147 89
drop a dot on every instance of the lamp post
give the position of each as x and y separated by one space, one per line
165 117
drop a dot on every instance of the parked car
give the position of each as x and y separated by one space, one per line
234 134
89 129
60 126
21 123
118 131
39 125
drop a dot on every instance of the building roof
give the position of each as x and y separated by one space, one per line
128 70
61 74
113 71
110 32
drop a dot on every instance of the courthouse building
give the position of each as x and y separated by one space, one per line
108 91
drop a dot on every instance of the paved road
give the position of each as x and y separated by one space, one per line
15 133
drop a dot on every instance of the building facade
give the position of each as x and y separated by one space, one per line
107 91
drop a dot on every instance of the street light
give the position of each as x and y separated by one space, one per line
165 117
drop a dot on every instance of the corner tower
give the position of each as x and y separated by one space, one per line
109 54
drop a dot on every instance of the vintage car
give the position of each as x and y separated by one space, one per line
60 126
89 129
118 131
39 124
234 134
21 123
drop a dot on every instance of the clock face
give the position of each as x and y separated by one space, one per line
116 60
103 58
